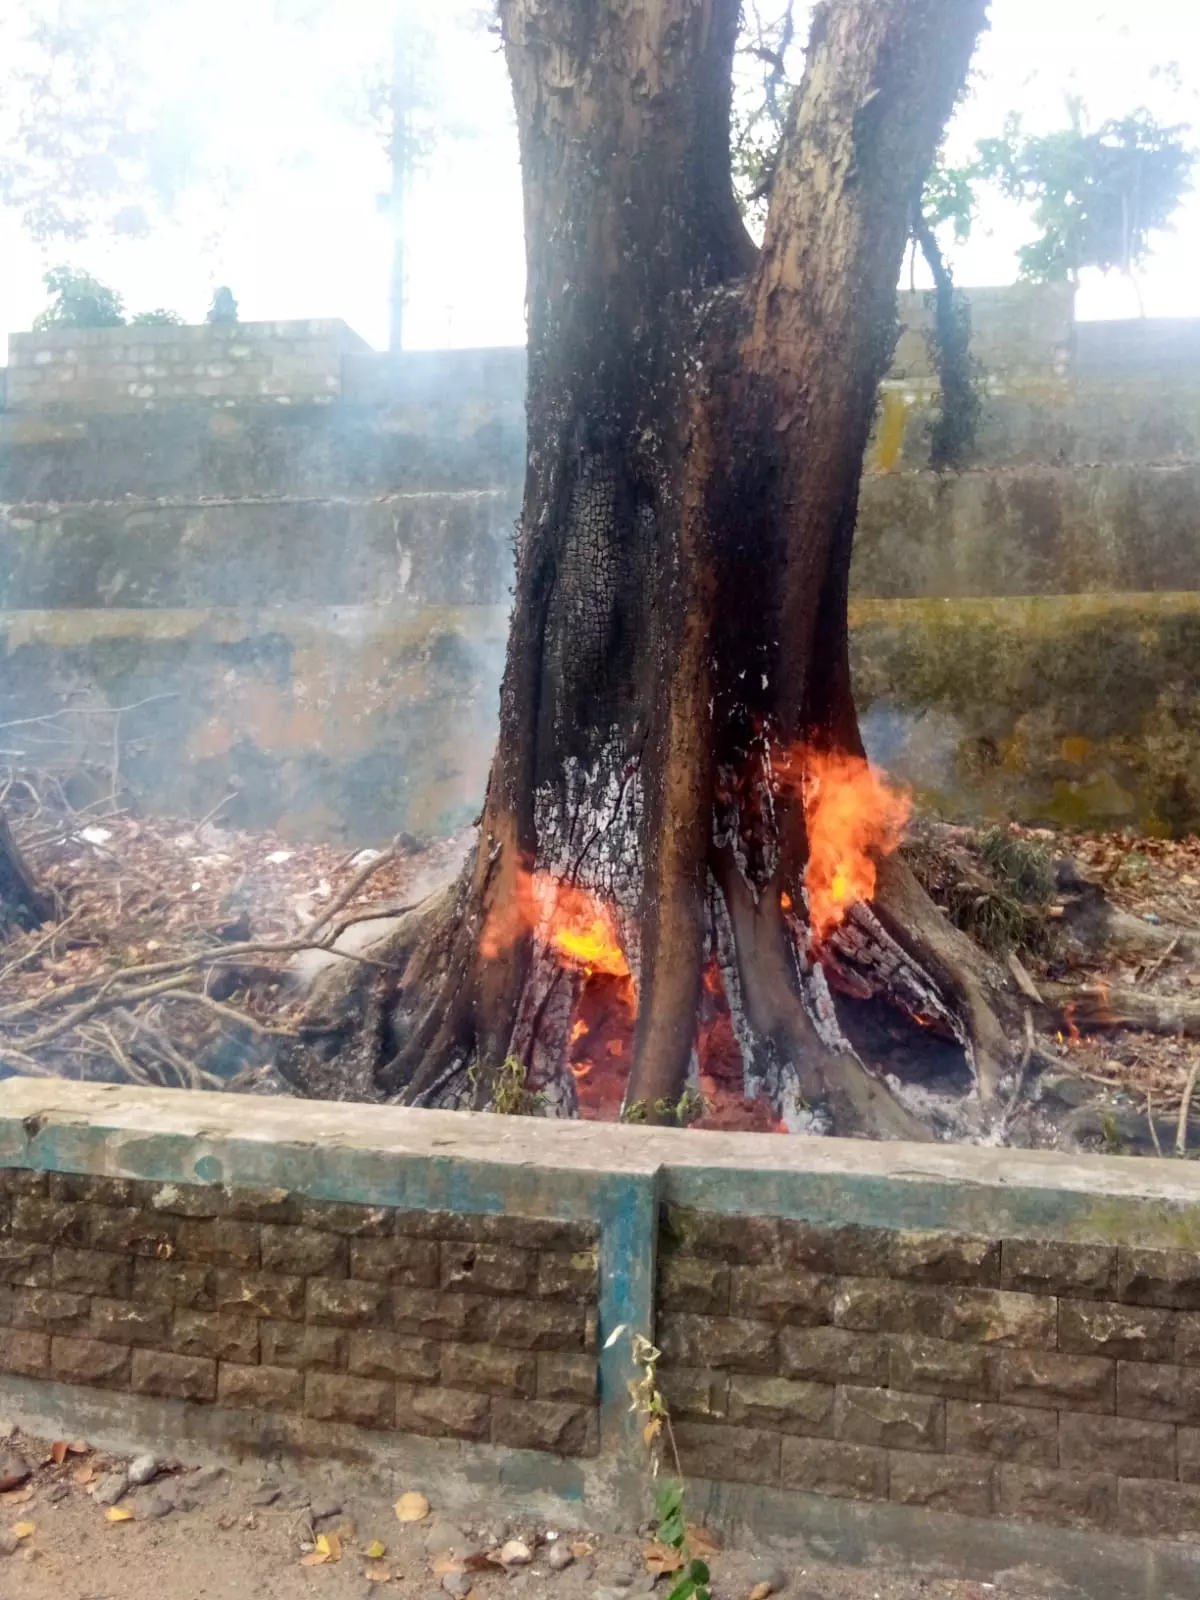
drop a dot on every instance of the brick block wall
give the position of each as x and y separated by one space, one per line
1009 1378
139 367
480 1328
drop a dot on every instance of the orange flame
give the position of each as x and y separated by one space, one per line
853 817
579 926
1074 1037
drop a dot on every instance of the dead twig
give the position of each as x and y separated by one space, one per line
1189 1089
36 949
215 956
242 1019
104 1001
217 809
1158 1149
342 899
88 711
1155 967
1022 1068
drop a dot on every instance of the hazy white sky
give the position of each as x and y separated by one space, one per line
302 234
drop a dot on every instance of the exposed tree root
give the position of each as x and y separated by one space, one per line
406 1022
1101 1007
977 989
21 901
789 1025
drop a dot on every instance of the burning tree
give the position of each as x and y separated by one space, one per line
679 801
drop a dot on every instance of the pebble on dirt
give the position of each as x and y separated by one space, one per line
14 1470
143 1469
110 1489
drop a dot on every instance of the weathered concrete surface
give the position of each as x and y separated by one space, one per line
1077 710
422 547
454 1160
437 438
354 722
366 545
360 720
1034 529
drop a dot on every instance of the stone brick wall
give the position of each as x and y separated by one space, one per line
139 367
1009 1378
480 1328
972 1360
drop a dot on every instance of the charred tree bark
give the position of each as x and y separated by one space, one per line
22 903
697 419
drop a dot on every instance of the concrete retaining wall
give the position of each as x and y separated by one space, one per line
319 587
353 722
968 1360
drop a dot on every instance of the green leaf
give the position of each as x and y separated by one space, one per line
684 1589
669 1500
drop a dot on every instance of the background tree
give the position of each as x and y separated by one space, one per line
1098 197
77 300
89 140
678 662
98 140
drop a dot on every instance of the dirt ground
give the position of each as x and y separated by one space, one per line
245 1532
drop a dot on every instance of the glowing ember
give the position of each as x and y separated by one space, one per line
853 817
594 948
578 1031
1074 1037
578 925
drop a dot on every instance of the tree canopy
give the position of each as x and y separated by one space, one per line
1098 196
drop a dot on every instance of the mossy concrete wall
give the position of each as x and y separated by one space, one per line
324 722
325 580
1081 710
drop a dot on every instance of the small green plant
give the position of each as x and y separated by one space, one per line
638 1111
690 1106
1026 867
510 1095
674 1538
159 318
1110 1133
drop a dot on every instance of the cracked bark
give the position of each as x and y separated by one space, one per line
698 414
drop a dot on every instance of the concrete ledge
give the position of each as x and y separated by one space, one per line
448 1160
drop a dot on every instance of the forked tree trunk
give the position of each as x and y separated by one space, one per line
698 414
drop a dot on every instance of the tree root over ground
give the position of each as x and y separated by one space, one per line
904 949
142 980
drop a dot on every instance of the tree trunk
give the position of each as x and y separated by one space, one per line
697 419
22 903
